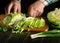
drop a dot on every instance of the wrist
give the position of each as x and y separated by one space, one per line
44 2
43 5
16 0
40 4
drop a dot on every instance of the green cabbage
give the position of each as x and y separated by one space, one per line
54 18
13 18
29 22
19 21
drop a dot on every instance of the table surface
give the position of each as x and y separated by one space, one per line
24 37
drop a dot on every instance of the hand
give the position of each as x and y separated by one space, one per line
36 9
15 5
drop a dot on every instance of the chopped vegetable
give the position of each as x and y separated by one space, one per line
13 18
19 21
3 28
18 26
29 22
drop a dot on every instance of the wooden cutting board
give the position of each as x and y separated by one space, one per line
2 16
45 28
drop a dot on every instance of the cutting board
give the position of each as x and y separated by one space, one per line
45 28
2 16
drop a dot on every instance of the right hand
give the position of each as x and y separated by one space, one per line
15 5
36 9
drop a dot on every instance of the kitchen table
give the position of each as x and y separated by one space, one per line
24 37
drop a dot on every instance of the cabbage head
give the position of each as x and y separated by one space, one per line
54 18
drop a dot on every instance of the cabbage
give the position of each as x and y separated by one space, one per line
13 18
29 22
19 21
54 18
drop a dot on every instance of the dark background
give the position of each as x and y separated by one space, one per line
25 4
24 37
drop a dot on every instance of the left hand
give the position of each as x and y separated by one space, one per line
15 5
36 9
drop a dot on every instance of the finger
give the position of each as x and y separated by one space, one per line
19 8
39 13
15 8
35 13
31 13
9 8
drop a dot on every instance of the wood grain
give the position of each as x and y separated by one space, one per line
2 16
44 28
